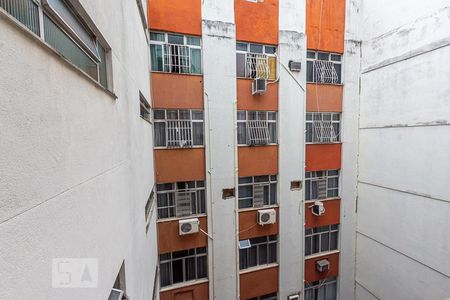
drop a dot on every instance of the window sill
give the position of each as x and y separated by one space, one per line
258 208
317 83
52 51
245 145
320 254
323 200
258 268
188 74
177 219
183 284
329 143
175 148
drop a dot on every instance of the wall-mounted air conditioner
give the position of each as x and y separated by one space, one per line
293 297
188 226
259 86
267 216
318 208
322 265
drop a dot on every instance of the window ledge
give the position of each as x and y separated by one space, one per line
320 254
188 74
183 284
329 143
253 146
323 200
332 84
258 208
258 268
51 50
177 219
175 148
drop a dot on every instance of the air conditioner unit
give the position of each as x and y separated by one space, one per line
259 86
188 226
295 66
318 208
294 297
322 265
267 216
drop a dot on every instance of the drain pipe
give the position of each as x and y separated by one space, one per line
236 200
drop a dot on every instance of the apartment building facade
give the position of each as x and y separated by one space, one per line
76 151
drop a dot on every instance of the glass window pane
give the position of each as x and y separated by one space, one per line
330 291
190 268
338 68
334 241
315 244
325 242
309 71
335 57
323 56
155 36
254 48
245 203
192 40
273 193
160 134
270 49
102 66
242 259
196 61
156 57
242 133
177 271
197 115
273 132
197 130
25 11
252 257
175 39
245 191
272 252
262 254
164 273
308 246
240 64
245 180
202 266
311 54
241 46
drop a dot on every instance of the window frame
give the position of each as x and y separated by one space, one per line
185 43
45 10
320 115
145 109
273 179
267 119
319 287
310 61
157 121
327 175
271 296
255 249
315 235
149 207
249 51
170 259
198 189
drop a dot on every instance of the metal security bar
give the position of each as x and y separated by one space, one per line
179 134
323 132
324 72
257 66
183 200
258 194
25 11
176 59
321 184
257 132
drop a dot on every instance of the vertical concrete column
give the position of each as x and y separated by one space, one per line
292 46
349 170
219 67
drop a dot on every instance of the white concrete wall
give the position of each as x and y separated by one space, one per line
403 205
291 104
76 165
219 69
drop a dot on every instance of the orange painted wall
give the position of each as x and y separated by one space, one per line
311 274
266 101
258 160
324 97
259 283
323 157
198 291
331 216
248 219
169 240
172 165
182 16
332 25
177 90
257 22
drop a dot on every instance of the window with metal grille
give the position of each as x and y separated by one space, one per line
257 191
262 251
175 53
180 199
178 128
145 109
183 266
321 239
272 296
323 67
65 31
256 61
321 184
323 127
256 127
324 289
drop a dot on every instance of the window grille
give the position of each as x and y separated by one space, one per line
263 250
323 67
175 53
323 127
324 289
180 199
183 266
64 31
256 61
178 128
257 191
257 127
321 239
321 184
